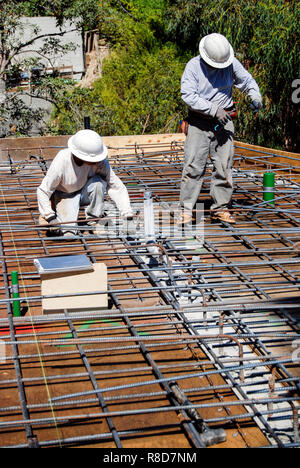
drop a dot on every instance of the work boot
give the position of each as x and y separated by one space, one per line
223 215
69 235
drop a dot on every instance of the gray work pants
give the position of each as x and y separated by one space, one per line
198 145
91 196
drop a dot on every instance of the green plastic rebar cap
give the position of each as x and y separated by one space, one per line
14 277
269 179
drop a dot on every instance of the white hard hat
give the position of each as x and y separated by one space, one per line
88 146
216 50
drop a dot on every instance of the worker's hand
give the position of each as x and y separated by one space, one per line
222 116
53 228
256 104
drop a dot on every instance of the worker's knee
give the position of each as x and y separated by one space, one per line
93 191
97 186
193 171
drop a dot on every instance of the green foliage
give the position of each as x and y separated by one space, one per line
137 94
124 26
144 92
37 8
71 105
140 88
17 119
69 102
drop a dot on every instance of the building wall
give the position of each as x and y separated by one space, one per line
74 60
47 25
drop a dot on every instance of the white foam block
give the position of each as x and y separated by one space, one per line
70 283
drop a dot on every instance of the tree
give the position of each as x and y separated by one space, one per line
15 117
139 91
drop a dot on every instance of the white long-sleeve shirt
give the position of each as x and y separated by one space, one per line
204 89
66 176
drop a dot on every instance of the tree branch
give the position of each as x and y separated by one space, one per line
36 96
126 11
41 36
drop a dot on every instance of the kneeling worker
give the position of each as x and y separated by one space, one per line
79 176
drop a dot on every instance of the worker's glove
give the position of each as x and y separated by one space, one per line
129 226
53 229
256 104
222 116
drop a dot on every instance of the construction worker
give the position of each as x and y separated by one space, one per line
78 176
206 88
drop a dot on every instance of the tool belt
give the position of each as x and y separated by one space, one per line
204 121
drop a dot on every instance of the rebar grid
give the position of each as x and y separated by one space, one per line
217 313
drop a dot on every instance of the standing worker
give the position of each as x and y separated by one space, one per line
79 176
206 88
